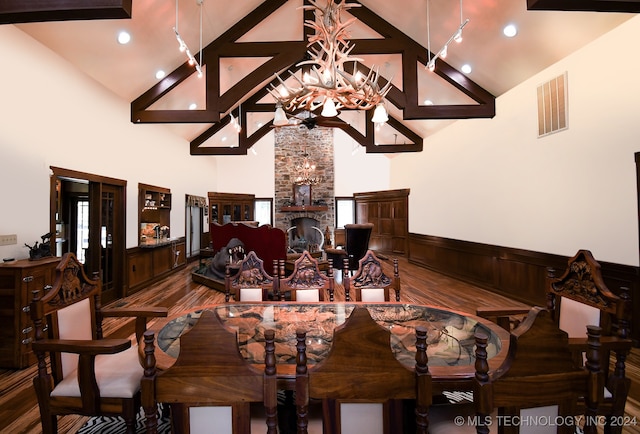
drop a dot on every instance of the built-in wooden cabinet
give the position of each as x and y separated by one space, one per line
157 254
389 212
230 207
18 279
154 210
147 264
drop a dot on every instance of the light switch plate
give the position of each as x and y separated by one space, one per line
8 240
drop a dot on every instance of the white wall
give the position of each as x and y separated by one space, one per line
52 115
493 181
357 172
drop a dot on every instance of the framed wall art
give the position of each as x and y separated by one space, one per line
302 194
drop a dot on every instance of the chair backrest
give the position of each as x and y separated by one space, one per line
361 376
582 294
370 283
250 282
306 280
209 380
357 237
539 376
69 309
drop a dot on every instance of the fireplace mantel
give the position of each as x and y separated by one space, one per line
304 208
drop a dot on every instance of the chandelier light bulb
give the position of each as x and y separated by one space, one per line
280 117
326 77
443 52
329 108
380 115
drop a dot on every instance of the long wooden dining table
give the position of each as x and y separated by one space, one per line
451 335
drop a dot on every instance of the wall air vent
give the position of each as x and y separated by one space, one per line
552 106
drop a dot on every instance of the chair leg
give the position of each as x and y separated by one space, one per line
49 421
129 414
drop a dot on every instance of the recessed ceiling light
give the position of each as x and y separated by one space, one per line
224 138
510 31
124 37
466 68
160 74
428 102
193 106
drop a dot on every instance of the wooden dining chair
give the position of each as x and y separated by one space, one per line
535 390
580 297
211 383
248 281
306 282
370 283
79 372
360 382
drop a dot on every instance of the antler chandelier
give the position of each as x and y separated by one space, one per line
305 172
326 83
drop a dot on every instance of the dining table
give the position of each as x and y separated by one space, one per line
450 335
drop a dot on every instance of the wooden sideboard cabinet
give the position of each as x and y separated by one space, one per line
149 263
228 207
17 281
389 212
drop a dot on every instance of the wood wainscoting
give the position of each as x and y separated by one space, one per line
515 273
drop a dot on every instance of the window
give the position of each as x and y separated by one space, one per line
263 211
345 211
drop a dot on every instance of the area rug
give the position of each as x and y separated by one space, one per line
115 425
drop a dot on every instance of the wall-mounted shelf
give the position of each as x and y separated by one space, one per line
304 208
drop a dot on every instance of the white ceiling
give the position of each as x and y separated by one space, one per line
498 63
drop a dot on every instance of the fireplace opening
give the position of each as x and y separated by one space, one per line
304 234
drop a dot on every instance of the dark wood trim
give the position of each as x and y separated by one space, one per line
21 11
632 6
83 176
515 273
382 195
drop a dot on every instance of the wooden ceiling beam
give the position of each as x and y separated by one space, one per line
31 11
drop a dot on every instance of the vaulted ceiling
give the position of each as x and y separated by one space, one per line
245 45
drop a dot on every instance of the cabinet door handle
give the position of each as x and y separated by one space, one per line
26 309
27 341
27 330
27 279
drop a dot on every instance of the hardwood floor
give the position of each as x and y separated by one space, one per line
19 409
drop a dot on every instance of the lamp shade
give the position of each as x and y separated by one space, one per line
280 118
329 108
380 115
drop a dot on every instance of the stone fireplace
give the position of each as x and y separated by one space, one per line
291 142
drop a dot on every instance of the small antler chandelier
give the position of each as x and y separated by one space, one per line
304 172
326 83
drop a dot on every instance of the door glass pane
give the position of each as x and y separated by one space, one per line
82 230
